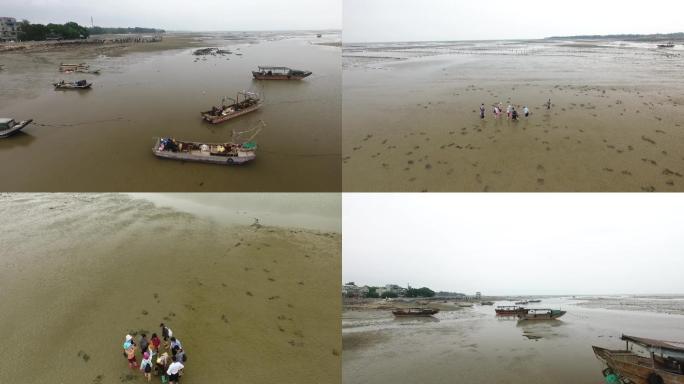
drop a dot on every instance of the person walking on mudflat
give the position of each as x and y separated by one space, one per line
548 105
526 111
482 111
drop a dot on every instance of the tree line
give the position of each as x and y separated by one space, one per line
71 30
411 292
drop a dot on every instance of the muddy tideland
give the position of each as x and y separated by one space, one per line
250 303
411 116
473 345
101 139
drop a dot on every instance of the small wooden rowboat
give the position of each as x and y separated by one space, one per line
250 102
81 84
215 153
541 314
665 364
415 312
9 127
77 68
279 73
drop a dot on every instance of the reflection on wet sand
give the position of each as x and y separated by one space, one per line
251 304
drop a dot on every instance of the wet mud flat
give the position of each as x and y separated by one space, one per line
103 137
411 118
475 345
78 272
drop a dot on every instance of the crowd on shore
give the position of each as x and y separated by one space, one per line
511 111
154 355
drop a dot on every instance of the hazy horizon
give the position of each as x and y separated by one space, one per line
514 245
176 15
446 20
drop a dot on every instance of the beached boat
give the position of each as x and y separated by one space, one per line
663 363
415 312
668 45
487 303
279 73
250 102
215 153
541 314
80 84
465 305
73 67
534 301
523 302
9 127
509 310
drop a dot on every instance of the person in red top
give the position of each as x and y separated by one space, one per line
155 342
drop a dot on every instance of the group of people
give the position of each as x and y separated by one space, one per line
511 112
155 358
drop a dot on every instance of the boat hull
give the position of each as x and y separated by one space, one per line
259 76
222 119
14 130
205 158
635 369
72 87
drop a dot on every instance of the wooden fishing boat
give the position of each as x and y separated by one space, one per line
662 362
81 84
541 314
534 301
465 305
415 312
215 153
250 102
668 45
279 73
509 310
523 302
487 303
9 127
238 151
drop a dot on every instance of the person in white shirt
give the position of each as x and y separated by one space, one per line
174 371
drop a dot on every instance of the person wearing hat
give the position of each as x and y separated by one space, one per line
146 366
130 354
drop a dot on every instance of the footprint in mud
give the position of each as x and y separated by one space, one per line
127 377
411 180
83 356
653 162
540 181
668 172
224 318
274 298
428 166
248 293
265 270
144 312
649 140
237 245
368 137
301 283
608 170
98 379
627 173
648 188
298 343
670 183
335 352
271 279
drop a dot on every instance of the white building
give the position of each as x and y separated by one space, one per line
8 29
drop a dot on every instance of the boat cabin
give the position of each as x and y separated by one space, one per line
6 124
663 355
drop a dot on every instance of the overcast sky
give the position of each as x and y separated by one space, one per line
428 20
197 15
510 244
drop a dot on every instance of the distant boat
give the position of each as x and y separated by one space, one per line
534 301
664 364
279 73
541 314
319 35
523 302
487 303
81 84
77 68
250 102
415 312
509 310
466 305
215 153
668 45
9 127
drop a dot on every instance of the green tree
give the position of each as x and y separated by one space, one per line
389 294
420 292
372 293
